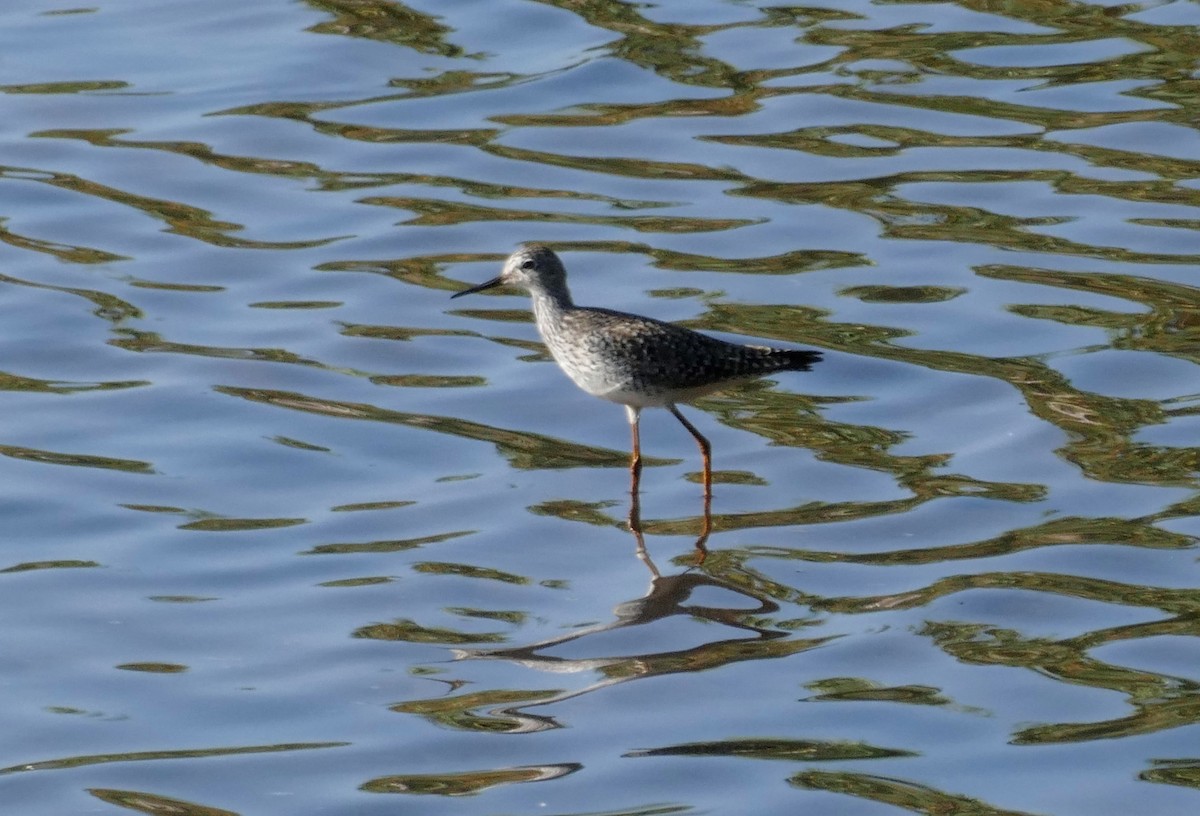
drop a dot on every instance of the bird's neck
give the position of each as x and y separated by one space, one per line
550 304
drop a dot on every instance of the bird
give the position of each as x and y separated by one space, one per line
636 361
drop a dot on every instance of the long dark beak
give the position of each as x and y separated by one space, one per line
486 285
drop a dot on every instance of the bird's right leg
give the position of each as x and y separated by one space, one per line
635 459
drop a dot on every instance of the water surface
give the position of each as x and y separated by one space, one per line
287 531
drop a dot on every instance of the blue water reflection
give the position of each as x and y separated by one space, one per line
286 531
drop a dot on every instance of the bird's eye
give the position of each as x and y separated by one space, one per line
528 264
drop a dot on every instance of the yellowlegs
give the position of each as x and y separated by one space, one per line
636 361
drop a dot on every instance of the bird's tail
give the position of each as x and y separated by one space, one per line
795 360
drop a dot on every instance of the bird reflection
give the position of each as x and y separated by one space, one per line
668 596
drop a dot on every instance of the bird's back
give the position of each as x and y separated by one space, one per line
637 360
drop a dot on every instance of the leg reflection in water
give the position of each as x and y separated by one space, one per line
635 527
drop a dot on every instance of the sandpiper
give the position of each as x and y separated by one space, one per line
636 361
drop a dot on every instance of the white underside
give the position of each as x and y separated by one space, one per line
641 399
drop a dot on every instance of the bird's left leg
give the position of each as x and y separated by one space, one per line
705 449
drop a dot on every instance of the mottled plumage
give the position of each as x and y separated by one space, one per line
647 363
636 361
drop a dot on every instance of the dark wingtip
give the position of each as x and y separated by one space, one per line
801 360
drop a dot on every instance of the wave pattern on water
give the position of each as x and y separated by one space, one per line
963 548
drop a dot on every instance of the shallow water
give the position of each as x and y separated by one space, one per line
288 531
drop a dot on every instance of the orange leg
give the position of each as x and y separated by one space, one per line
705 449
635 460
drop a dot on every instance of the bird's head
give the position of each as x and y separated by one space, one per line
533 267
